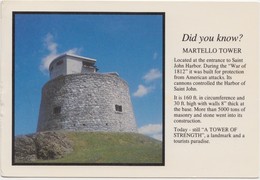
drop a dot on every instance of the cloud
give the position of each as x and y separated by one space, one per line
74 51
142 90
155 55
157 136
152 130
152 75
52 46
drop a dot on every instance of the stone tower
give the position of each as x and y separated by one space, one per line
77 98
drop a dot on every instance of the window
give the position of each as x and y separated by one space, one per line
59 62
85 64
57 110
118 108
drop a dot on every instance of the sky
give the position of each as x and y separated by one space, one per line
129 44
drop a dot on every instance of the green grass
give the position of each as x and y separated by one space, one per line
100 147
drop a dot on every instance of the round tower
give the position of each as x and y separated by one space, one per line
79 99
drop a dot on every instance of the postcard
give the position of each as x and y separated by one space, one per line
129 89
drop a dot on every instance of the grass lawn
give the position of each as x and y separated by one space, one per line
105 147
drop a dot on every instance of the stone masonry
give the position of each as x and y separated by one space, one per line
86 102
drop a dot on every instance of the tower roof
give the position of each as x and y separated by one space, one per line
76 57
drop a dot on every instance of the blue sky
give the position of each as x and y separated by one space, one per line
128 44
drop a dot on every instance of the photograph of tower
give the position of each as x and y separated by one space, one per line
88 89
79 98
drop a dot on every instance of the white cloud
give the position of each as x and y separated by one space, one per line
142 91
51 45
155 55
74 51
153 74
157 136
152 130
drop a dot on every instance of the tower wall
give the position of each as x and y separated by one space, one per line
86 102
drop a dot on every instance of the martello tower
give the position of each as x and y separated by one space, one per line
77 98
